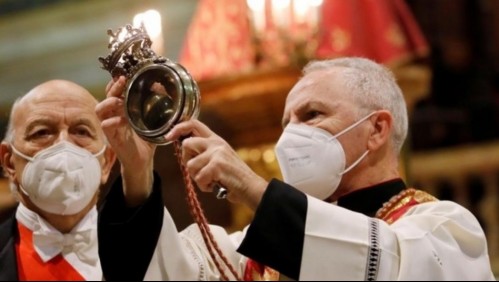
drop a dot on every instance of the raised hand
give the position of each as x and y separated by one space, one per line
210 160
135 154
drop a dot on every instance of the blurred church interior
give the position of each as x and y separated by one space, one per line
246 56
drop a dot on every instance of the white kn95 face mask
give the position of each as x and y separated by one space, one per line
61 179
312 160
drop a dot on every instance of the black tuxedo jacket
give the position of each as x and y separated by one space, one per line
8 260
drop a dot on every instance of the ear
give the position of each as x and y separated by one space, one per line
382 129
109 159
7 161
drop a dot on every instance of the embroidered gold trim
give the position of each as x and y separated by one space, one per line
401 199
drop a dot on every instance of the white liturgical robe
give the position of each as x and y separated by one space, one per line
431 241
307 239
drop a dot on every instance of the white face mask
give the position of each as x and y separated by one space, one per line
312 160
61 179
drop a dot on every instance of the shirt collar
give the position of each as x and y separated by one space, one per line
78 247
369 200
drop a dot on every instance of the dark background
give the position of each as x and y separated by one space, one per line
463 103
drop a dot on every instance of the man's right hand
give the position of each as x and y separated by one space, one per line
135 154
211 161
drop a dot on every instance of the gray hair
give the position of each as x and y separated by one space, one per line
373 87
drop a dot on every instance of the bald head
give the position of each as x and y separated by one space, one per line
56 88
54 95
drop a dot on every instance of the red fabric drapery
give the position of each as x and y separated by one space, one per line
384 31
220 42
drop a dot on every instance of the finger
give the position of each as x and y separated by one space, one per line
195 162
111 124
110 107
209 171
191 127
192 147
117 88
205 179
109 84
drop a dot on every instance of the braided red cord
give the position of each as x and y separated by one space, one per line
200 219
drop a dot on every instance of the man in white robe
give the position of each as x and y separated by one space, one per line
342 213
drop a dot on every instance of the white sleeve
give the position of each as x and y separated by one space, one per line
432 241
184 256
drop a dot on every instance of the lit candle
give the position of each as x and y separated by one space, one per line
315 7
281 13
257 8
152 23
301 9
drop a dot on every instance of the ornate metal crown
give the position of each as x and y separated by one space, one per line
130 49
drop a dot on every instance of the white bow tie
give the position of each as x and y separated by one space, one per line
79 247
50 243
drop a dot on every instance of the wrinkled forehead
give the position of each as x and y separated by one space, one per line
55 98
326 86
58 91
